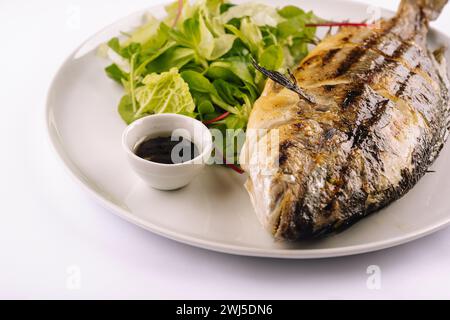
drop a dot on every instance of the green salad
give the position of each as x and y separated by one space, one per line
198 60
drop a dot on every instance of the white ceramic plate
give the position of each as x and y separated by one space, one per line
214 212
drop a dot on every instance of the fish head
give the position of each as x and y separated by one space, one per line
276 156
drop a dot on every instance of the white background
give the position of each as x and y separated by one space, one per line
50 229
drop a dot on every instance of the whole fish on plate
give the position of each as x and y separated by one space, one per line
366 115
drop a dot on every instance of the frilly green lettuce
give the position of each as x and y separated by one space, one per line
161 93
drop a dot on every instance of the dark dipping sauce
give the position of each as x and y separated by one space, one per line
160 149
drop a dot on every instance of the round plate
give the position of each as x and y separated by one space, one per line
214 211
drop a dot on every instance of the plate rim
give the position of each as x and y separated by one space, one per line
216 246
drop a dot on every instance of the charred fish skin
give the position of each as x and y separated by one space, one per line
379 120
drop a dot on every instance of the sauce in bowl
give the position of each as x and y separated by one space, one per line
166 149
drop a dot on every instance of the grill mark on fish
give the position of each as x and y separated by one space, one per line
355 93
362 131
416 69
330 55
404 84
350 60
361 134
358 52
396 56
352 96
401 49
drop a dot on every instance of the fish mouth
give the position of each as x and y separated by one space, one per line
266 207
263 185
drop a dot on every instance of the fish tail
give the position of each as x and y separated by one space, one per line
429 9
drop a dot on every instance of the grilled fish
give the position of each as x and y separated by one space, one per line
377 119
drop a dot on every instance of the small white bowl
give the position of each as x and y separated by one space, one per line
167 176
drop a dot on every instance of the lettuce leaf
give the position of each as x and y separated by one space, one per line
272 58
262 15
196 34
237 66
161 93
144 33
250 34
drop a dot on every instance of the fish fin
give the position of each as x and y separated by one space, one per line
431 9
